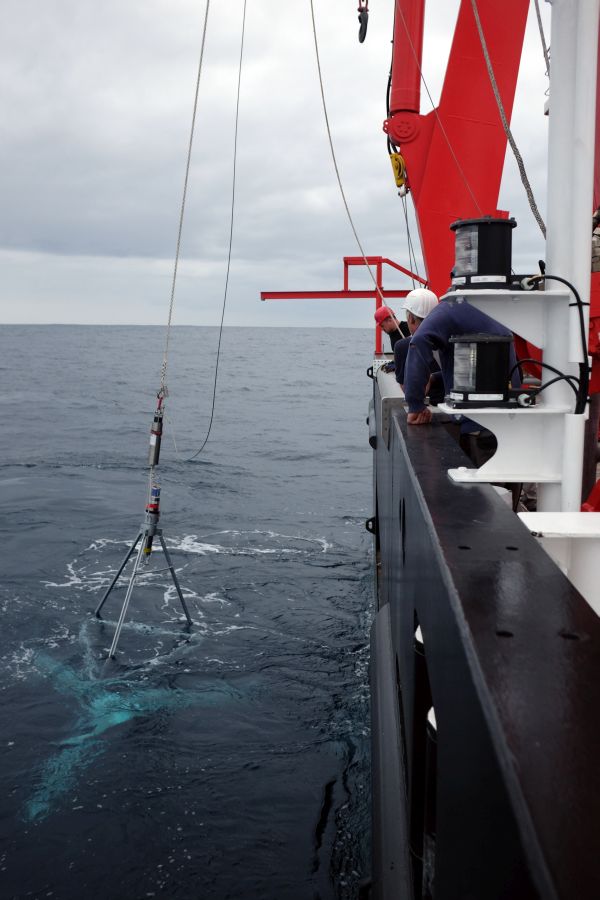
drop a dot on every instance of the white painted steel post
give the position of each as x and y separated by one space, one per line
574 42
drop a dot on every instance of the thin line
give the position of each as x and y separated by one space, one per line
505 125
411 251
231 221
163 374
542 37
335 165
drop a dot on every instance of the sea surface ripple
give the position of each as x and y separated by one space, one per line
226 760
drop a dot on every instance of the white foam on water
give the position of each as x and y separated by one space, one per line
101 543
8 602
85 575
73 579
61 634
321 542
97 580
214 598
192 543
79 577
171 594
229 628
20 662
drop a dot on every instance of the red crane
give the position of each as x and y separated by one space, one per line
454 155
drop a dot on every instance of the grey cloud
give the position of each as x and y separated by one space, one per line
97 107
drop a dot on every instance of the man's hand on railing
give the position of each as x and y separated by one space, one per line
421 418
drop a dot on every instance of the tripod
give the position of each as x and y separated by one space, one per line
147 532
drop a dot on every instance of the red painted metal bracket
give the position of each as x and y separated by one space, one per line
378 293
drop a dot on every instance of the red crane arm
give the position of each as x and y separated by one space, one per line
454 155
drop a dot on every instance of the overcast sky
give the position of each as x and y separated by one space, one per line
97 104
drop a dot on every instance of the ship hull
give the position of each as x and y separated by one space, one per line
485 687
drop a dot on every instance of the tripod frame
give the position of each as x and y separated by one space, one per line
147 531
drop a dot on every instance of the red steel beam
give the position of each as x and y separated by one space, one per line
330 295
378 293
382 260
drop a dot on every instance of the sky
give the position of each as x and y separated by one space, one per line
97 104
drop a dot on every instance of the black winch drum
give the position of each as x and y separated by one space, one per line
482 253
481 369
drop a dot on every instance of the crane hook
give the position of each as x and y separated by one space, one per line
363 19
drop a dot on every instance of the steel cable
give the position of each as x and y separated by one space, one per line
163 372
542 37
231 221
333 156
505 125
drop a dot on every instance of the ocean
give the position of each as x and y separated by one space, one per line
225 760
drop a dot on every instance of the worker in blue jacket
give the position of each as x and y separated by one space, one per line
453 316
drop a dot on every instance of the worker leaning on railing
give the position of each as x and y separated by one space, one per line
388 322
450 318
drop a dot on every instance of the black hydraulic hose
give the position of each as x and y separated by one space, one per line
553 381
390 146
388 93
570 379
584 371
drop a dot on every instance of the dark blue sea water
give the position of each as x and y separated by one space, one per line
226 761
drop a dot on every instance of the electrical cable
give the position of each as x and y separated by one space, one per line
553 381
584 370
572 380
231 221
505 125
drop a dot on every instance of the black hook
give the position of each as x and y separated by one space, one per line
363 20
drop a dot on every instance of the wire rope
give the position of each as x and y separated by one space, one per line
163 391
542 37
505 125
231 222
163 372
333 156
412 257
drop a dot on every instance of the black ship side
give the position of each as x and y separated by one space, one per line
485 679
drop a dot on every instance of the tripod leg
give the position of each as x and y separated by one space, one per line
174 576
126 601
116 578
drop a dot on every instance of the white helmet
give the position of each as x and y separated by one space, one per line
420 302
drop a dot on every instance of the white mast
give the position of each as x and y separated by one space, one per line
574 49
